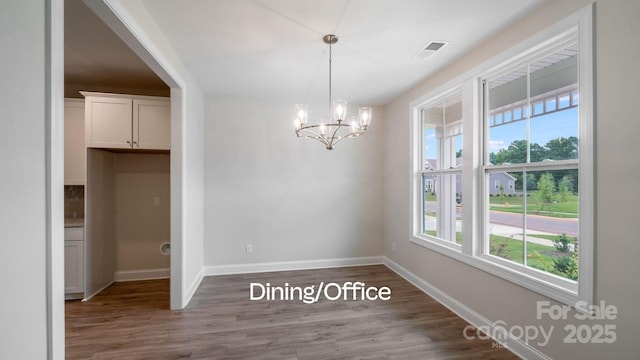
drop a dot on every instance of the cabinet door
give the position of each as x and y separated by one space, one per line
152 124
73 266
74 150
108 122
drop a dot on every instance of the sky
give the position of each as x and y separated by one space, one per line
543 128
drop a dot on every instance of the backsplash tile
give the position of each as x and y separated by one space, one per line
74 201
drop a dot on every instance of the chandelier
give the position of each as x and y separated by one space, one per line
337 127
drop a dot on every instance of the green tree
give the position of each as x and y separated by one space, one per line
501 193
563 189
562 148
537 152
546 187
516 153
531 182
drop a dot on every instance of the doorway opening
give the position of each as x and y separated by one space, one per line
102 55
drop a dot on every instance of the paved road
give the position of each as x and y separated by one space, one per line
537 222
534 222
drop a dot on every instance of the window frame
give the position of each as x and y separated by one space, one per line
475 183
419 212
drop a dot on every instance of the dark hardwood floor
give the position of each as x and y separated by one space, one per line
132 320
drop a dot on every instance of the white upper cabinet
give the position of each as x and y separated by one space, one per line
74 149
108 122
120 121
151 124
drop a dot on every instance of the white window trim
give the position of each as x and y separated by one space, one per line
473 174
419 160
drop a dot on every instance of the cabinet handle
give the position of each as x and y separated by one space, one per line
129 142
136 143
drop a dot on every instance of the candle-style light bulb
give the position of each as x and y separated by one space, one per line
301 114
365 117
339 110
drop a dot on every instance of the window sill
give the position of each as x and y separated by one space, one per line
564 291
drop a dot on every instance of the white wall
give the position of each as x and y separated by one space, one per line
142 225
617 175
146 39
100 216
290 198
24 262
193 217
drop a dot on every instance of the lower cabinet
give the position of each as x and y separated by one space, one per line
73 269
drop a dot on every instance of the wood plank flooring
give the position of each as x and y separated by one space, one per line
132 320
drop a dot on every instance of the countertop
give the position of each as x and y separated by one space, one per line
73 222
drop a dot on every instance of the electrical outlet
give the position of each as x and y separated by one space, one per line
249 249
156 200
393 246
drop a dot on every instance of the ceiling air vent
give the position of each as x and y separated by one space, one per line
428 50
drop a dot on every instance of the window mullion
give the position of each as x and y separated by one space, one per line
524 217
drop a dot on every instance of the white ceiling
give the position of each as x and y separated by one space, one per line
96 59
274 49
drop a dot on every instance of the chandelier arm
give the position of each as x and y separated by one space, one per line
338 140
310 132
313 135
333 136
347 136
320 139
326 125
324 142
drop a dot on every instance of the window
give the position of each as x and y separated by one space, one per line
441 139
429 186
539 228
527 174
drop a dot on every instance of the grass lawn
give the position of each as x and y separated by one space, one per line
512 249
567 209
539 257
548 237
430 196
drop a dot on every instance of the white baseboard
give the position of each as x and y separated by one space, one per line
97 291
136 275
192 288
74 296
503 337
290 265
